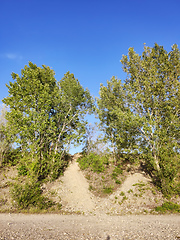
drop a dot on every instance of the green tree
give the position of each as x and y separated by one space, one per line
45 115
146 112
116 118
5 144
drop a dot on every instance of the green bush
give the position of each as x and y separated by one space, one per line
50 167
117 171
22 170
168 207
29 195
95 162
108 190
166 177
11 157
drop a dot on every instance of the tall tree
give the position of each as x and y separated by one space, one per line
45 115
146 112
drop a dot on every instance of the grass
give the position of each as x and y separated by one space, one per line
108 190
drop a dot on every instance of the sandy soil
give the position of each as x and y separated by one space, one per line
73 189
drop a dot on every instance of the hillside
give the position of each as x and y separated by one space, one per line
135 195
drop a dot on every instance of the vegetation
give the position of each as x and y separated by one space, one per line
44 117
142 115
168 207
5 143
30 195
96 162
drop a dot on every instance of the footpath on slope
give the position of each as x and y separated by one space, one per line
74 191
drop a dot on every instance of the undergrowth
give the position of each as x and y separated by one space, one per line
102 172
168 207
96 162
29 195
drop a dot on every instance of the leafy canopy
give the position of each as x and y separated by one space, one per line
45 115
143 113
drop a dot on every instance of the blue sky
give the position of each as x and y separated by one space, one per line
87 38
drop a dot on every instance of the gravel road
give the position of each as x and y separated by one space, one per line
54 226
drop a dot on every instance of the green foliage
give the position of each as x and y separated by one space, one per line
30 195
141 115
108 190
168 207
45 117
47 168
118 181
58 165
116 172
22 170
122 194
95 162
7 154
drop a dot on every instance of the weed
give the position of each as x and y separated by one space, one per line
90 187
124 198
122 194
130 191
108 190
118 181
53 193
117 171
153 191
88 177
140 184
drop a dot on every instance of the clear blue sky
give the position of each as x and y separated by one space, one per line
85 37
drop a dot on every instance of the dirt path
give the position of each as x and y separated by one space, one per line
74 191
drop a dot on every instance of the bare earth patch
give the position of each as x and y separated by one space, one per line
136 195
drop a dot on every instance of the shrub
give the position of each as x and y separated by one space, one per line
168 207
108 190
95 162
50 167
29 195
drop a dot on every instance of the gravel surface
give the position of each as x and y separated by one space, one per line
53 226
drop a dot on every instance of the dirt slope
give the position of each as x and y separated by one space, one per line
73 190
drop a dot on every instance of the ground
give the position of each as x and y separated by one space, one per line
124 214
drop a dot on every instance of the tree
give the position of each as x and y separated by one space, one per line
5 144
45 115
116 117
146 116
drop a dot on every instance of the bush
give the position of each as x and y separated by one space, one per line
117 171
168 173
29 195
95 162
50 167
11 157
108 190
168 207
